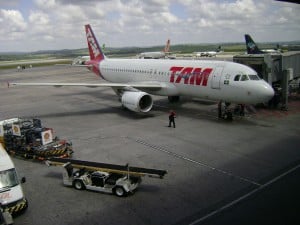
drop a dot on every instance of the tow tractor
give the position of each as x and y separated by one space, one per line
29 139
101 177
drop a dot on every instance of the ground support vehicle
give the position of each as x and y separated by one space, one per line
5 218
12 197
29 139
109 178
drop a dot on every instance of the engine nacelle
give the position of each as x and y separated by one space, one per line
137 101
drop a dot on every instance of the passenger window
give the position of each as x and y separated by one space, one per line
237 77
244 77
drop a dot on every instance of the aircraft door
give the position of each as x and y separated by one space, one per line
216 78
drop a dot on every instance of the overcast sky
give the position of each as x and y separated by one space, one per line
31 25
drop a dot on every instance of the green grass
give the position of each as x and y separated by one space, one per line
38 59
34 64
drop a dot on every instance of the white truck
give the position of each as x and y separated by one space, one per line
5 218
11 193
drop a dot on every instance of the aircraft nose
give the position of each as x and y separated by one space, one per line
269 92
266 92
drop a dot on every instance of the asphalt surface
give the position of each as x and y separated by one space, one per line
278 203
211 163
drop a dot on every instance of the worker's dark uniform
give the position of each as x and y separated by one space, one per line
172 118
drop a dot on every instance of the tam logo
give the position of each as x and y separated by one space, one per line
92 43
190 75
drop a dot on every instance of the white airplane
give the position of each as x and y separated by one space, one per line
80 60
252 47
208 53
156 55
135 80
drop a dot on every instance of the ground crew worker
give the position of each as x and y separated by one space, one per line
172 117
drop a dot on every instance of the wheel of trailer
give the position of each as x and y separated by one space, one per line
119 191
78 184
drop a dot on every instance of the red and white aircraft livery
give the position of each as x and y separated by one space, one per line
135 80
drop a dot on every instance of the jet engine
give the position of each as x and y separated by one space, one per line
137 101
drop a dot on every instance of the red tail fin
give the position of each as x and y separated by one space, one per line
167 47
94 48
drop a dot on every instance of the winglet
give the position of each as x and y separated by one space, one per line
94 48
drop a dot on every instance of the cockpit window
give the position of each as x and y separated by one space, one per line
237 77
244 77
254 77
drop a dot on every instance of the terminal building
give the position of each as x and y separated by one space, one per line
281 70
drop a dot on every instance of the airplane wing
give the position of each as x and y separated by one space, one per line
74 65
137 85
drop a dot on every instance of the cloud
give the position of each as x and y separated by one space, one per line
70 14
12 24
10 3
59 23
40 27
46 4
39 18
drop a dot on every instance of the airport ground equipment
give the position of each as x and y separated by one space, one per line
12 198
29 139
102 177
5 218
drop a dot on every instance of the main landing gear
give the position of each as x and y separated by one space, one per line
225 111
173 99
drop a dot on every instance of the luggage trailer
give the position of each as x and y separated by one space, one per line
27 138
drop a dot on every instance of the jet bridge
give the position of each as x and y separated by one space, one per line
281 70
110 168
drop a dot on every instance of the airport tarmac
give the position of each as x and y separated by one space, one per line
212 164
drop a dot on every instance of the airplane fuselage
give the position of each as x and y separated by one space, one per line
134 80
152 55
213 80
207 54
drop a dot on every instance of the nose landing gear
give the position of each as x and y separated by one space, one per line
225 112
